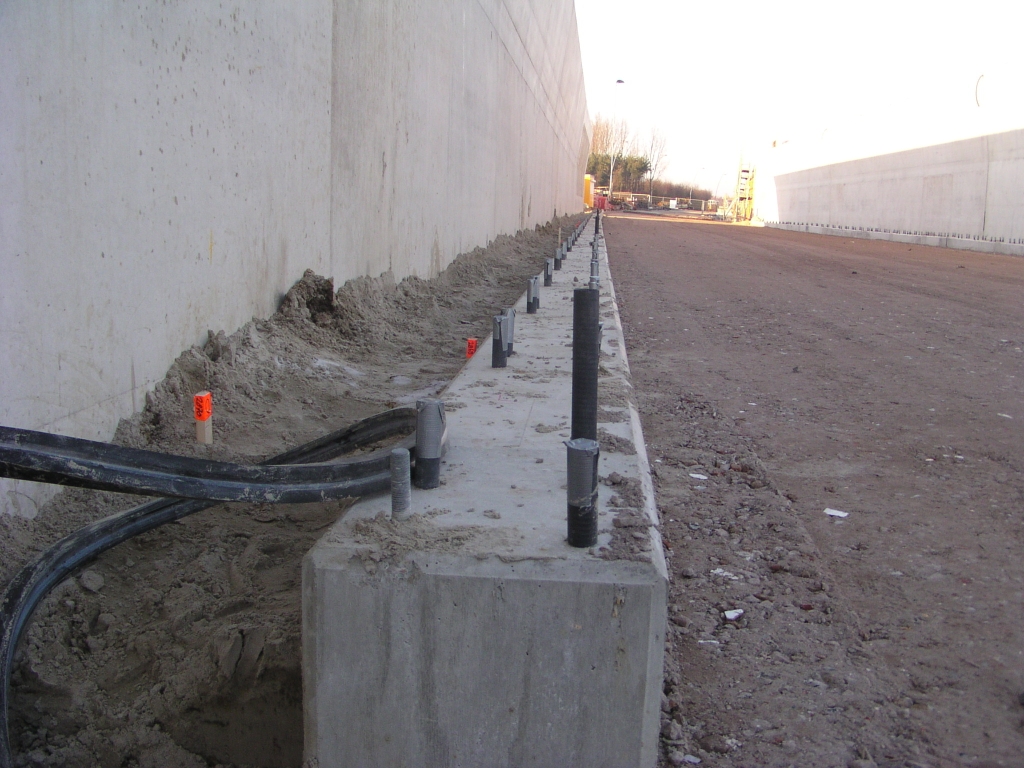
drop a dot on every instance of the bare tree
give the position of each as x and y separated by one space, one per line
656 157
610 137
599 140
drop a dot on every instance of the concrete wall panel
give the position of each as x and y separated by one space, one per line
968 190
164 170
169 168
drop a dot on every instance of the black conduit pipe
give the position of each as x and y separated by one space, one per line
586 351
34 581
61 460
498 348
581 491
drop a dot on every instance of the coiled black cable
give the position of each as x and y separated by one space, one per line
358 475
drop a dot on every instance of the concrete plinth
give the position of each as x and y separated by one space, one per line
472 634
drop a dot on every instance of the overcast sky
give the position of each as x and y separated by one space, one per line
827 81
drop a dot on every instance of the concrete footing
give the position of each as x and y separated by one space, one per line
472 634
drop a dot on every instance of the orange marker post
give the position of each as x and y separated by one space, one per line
202 408
470 347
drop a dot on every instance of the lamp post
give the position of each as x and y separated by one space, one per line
611 172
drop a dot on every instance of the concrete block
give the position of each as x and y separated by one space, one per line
444 660
473 634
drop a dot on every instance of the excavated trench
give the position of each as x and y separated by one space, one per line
181 647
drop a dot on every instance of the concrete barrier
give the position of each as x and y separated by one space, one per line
169 169
472 634
964 194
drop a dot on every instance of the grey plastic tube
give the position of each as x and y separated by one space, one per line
498 359
508 331
429 431
401 492
582 456
536 293
586 352
530 309
549 266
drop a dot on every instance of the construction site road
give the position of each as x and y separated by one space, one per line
835 429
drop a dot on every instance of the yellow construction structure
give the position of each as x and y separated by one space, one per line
743 202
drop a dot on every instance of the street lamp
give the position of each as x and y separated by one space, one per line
611 171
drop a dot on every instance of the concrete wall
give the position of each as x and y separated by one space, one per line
169 168
967 190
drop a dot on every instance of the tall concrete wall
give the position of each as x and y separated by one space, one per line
968 190
171 168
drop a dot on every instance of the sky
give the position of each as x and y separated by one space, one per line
826 81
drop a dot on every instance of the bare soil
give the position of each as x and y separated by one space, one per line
181 646
782 374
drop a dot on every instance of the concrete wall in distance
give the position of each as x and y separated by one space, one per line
967 190
171 168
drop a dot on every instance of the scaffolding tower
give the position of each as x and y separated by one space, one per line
743 202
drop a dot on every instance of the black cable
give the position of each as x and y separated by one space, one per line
35 580
61 460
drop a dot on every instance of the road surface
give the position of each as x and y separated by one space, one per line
799 373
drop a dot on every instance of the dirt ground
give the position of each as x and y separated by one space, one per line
782 374
181 646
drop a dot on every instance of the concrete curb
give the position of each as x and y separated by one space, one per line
419 635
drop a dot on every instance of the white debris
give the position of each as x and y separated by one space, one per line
691 759
1006 415
835 512
725 574
698 476
91 581
733 615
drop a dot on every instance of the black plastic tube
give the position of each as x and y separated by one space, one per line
581 491
509 330
61 460
586 353
498 359
430 428
34 581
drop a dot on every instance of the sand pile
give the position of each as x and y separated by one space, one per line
181 647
